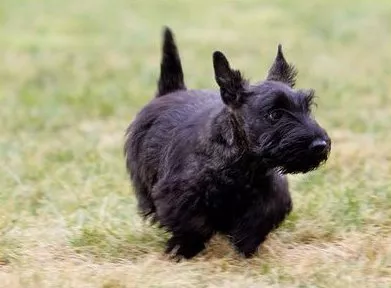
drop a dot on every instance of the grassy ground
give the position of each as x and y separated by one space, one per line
74 73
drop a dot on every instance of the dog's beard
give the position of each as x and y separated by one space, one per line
294 163
291 157
301 165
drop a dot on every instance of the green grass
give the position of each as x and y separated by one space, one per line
74 73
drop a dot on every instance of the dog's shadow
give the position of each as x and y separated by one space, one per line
151 241
140 246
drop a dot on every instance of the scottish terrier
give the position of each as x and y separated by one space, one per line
215 161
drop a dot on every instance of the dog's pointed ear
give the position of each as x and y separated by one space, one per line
282 71
229 80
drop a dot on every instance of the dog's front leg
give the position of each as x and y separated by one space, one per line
181 210
265 214
250 231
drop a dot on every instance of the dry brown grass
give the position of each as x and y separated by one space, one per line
351 260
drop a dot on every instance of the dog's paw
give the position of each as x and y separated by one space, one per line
183 248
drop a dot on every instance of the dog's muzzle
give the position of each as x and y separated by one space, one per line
319 146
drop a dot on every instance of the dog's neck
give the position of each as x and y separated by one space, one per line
227 131
228 126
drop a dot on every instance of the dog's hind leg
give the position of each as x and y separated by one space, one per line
145 204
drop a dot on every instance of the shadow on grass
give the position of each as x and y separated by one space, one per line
104 244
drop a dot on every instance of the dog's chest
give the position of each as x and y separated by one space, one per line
229 198
230 195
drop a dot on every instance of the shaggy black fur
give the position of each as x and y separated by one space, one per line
205 161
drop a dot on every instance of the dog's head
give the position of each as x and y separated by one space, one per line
274 118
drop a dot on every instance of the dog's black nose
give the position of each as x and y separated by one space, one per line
318 146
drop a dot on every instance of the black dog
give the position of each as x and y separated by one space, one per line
205 161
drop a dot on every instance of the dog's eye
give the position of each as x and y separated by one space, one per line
274 115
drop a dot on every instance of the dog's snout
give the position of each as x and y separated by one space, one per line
318 146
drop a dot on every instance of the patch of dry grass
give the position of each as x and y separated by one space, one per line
72 76
282 262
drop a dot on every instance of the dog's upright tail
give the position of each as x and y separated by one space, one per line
171 73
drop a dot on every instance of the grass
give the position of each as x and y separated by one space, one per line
74 73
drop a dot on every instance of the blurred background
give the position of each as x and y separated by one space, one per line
73 74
